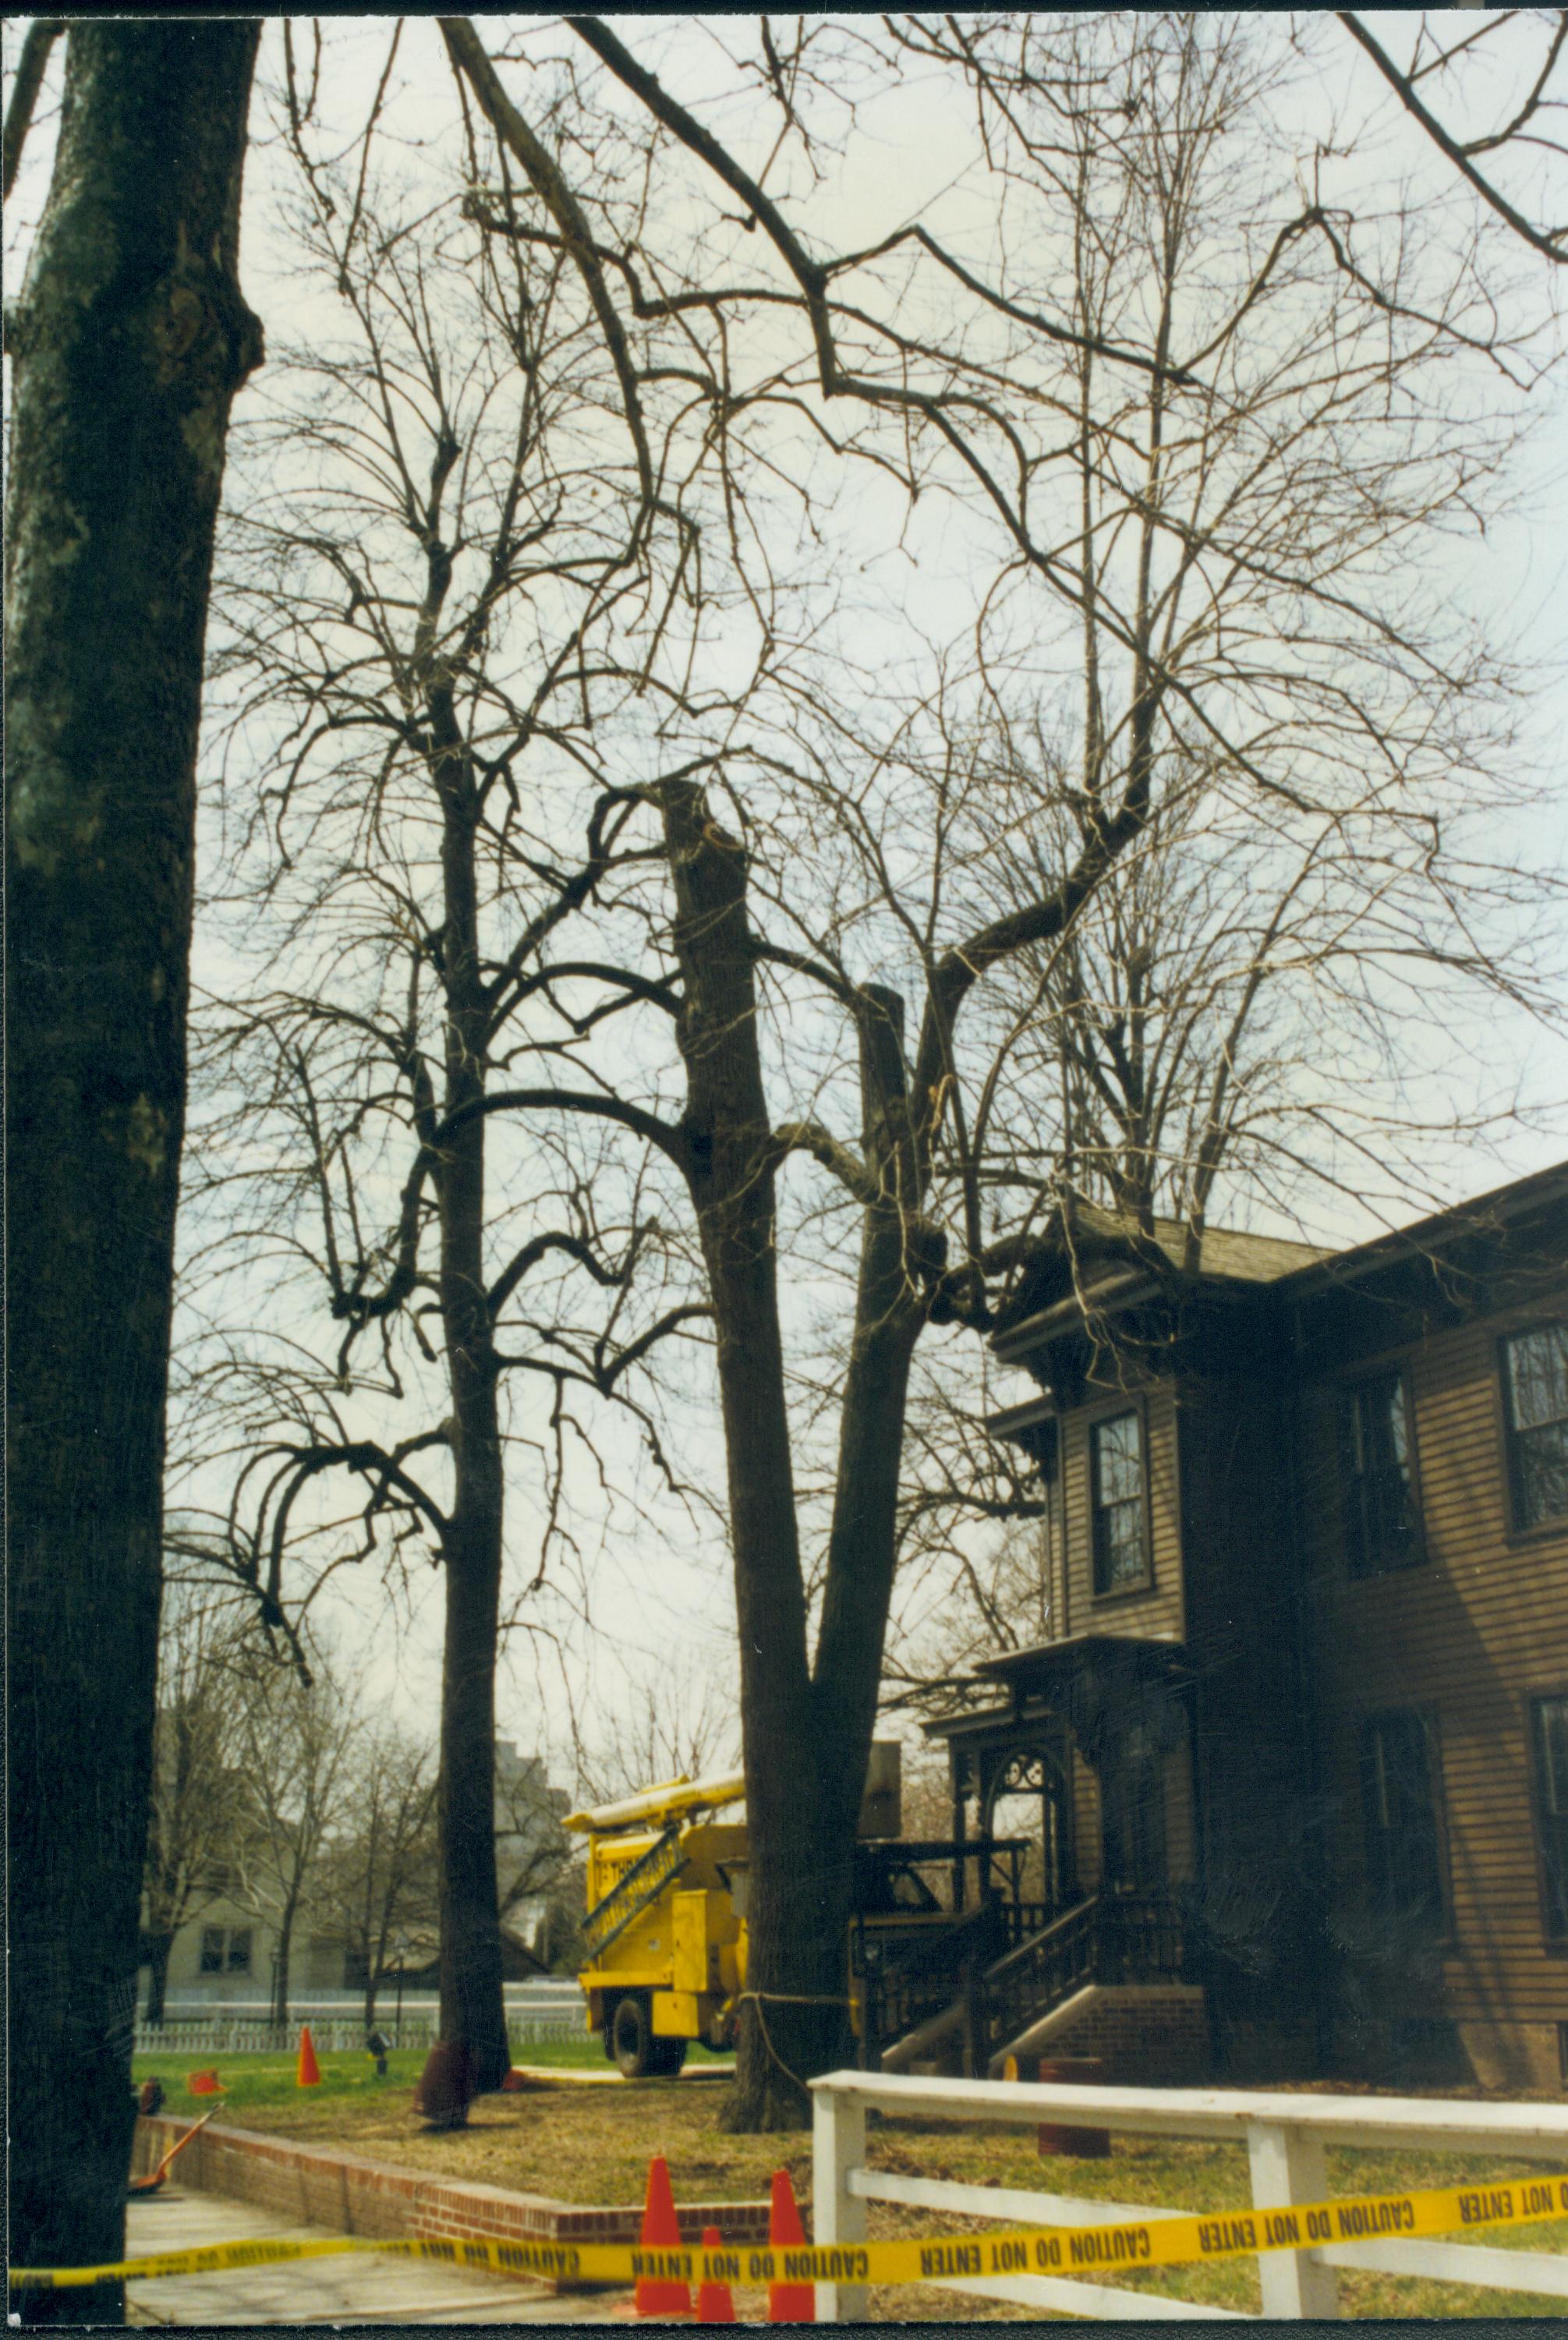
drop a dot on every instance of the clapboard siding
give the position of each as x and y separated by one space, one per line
1286 1657
1467 1637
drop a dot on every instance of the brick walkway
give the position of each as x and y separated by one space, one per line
361 2287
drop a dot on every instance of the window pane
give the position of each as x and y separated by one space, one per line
1552 1795
1541 1458
1379 1499
1119 1449
1404 1855
1122 1545
240 1952
1120 1540
1132 1817
1538 1376
212 1959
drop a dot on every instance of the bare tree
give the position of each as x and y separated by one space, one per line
677 1721
1241 460
379 1875
296 1739
448 583
533 1853
200 1806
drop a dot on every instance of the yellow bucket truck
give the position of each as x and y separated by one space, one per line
666 1924
666 1929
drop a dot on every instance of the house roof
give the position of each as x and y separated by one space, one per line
1118 1269
1110 1275
1489 1214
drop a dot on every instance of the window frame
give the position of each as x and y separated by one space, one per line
1517 1531
215 1952
1556 1944
1426 1717
1348 1392
1115 1410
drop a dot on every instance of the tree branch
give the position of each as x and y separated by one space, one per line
468 55
528 1257
42 36
1549 242
812 276
669 1139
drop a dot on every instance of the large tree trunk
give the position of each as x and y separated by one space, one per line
862 1544
792 2016
473 2008
128 343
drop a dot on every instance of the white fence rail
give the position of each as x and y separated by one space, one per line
1284 2135
220 2035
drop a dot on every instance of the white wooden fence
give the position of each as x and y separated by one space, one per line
226 2035
1284 2136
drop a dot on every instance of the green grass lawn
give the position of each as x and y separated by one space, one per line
251 2081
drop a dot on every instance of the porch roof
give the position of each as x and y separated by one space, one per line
1050 1670
1049 1662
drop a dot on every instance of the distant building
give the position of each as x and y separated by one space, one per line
1299 1733
225 1953
532 1847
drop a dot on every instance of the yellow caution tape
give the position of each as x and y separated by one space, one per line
1022 2250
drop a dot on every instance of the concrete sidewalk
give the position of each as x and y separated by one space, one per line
361 2287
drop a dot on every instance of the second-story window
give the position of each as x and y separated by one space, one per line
1535 1395
1120 1519
1381 1529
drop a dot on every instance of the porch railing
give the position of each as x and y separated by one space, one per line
1042 1972
1142 1939
1115 1938
904 1978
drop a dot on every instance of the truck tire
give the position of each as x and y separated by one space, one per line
637 2052
665 2058
632 2040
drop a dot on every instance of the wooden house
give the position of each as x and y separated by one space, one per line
1299 1733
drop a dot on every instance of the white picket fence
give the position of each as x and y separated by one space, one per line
1284 2135
220 2035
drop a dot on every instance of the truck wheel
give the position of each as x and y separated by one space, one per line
632 2040
665 2058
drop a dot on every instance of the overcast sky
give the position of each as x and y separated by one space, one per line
664 1613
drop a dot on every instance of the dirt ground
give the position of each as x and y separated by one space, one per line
592 2145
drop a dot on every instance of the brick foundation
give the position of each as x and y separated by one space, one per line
321 2187
1515 2055
1151 2035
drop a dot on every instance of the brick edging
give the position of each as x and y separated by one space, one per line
324 2187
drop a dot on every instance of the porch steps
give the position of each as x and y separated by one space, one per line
1036 2037
930 2039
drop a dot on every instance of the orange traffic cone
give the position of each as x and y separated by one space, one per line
715 2303
310 2070
659 2295
204 2084
788 2303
